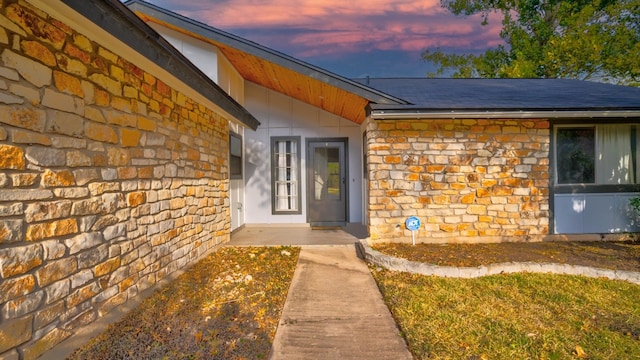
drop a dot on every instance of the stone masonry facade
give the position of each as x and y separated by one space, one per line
109 180
466 180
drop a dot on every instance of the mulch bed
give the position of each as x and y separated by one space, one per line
607 255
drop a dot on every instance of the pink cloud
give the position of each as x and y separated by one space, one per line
312 28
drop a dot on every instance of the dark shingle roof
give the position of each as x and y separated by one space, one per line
453 95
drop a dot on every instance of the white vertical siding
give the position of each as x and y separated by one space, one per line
594 213
281 115
200 53
208 59
229 79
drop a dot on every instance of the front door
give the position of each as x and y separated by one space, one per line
326 182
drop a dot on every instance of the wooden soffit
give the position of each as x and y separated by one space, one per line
296 85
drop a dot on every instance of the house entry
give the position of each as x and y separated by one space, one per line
326 182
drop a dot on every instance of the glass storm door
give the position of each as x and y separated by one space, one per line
326 183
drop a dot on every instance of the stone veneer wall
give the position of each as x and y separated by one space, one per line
109 180
467 180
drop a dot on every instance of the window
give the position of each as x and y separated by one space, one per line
597 154
285 175
575 148
235 156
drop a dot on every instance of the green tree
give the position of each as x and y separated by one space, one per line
580 39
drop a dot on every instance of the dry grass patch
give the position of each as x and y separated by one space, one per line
227 306
516 316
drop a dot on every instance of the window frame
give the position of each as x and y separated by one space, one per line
274 167
232 174
557 188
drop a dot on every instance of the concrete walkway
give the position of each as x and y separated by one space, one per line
334 310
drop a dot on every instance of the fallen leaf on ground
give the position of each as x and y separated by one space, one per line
579 351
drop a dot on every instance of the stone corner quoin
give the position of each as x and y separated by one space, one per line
109 180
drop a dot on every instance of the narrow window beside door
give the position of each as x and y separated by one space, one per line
235 156
285 175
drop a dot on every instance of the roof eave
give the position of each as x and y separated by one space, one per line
413 114
132 31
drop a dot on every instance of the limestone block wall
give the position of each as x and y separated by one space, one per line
467 180
109 180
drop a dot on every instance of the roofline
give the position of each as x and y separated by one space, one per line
116 19
263 52
501 114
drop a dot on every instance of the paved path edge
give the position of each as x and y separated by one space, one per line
397 264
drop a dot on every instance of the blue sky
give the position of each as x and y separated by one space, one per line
352 38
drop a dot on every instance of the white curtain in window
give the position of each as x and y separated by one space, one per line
281 181
286 175
614 161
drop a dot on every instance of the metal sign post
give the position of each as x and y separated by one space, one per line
412 223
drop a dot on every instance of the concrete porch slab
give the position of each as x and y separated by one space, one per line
294 235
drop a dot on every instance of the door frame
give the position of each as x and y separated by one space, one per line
236 183
309 179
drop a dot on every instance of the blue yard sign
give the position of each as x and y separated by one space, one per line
413 224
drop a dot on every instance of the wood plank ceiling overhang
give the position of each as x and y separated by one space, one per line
274 70
296 85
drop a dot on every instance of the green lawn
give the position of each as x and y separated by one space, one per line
517 316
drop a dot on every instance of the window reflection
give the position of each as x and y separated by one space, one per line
327 175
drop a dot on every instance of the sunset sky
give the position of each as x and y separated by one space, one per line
353 38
